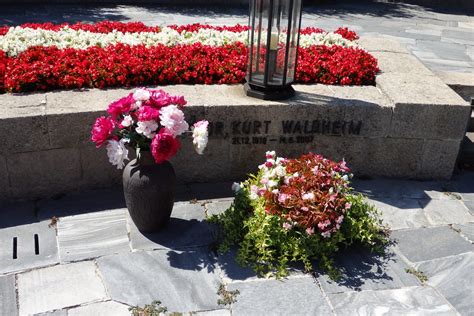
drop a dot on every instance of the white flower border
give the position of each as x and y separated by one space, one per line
19 39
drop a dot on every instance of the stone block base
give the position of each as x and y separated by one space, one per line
409 125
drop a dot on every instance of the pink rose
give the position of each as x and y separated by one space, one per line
178 100
159 98
147 113
102 130
164 146
120 106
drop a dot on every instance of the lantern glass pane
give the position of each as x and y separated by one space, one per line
296 16
258 47
279 34
250 37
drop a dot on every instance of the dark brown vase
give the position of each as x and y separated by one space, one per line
149 190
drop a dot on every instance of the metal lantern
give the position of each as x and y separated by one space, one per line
273 48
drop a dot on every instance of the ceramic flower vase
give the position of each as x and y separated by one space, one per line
149 190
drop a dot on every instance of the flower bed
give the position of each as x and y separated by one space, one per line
106 54
297 210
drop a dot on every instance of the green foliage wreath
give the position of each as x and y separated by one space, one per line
297 210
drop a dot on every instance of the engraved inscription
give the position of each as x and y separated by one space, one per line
257 132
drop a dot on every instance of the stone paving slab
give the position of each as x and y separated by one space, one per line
187 280
100 309
453 277
15 214
58 287
424 244
374 44
400 63
217 312
454 50
400 213
294 296
186 218
183 281
61 312
447 212
407 301
28 256
8 295
92 235
218 206
80 203
231 271
400 189
362 270
470 206
466 230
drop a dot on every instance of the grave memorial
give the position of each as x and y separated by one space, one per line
409 125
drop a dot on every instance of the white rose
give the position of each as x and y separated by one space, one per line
127 121
172 119
200 136
147 128
141 95
117 152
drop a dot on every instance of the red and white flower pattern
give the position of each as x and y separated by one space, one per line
107 54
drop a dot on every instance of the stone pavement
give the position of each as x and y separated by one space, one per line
444 41
93 260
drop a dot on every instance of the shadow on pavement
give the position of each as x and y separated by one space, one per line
123 11
15 14
378 9
358 266
179 234
16 214
368 8
182 260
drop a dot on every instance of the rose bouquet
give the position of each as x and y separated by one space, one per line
146 120
297 210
